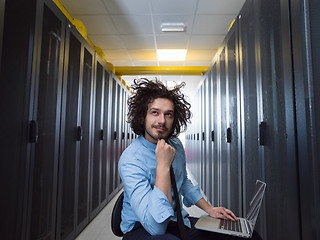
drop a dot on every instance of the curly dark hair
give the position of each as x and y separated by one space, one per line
146 91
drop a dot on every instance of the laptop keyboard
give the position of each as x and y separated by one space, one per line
230 225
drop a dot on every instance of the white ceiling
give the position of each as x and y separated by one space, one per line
128 31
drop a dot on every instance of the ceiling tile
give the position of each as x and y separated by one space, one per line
117 55
138 41
120 63
173 7
127 6
232 7
107 42
212 24
128 24
84 7
142 55
200 55
172 41
145 63
171 63
98 24
123 29
206 41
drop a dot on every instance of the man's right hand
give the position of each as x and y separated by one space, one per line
164 154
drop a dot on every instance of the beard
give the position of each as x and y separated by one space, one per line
156 135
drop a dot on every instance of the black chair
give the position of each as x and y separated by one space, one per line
116 216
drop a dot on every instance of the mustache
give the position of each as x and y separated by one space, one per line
160 126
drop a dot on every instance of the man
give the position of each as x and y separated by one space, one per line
158 115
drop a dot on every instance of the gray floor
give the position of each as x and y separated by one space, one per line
100 227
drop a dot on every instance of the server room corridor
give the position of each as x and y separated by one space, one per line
251 69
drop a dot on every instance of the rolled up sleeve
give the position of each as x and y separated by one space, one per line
160 208
150 204
191 194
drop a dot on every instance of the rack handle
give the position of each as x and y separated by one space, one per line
79 133
115 137
101 135
229 135
262 133
33 131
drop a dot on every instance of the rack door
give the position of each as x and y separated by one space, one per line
47 109
86 141
70 139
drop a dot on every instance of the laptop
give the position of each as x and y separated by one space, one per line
244 226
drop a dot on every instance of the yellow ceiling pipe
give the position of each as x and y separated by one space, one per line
162 70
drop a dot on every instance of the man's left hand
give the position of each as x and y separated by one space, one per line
221 212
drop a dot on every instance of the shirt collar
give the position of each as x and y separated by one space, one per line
151 146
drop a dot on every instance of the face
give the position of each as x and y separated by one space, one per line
159 120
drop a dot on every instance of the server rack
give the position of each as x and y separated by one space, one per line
305 50
15 74
253 120
67 214
96 163
229 105
45 113
56 99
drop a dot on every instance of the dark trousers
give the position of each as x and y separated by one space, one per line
139 233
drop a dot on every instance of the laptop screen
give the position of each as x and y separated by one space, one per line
256 202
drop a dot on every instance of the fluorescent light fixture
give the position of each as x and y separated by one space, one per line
171 54
173 27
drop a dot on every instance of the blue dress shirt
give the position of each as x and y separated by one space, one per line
143 201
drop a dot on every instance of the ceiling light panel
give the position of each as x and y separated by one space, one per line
160 19
171 54
173 27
